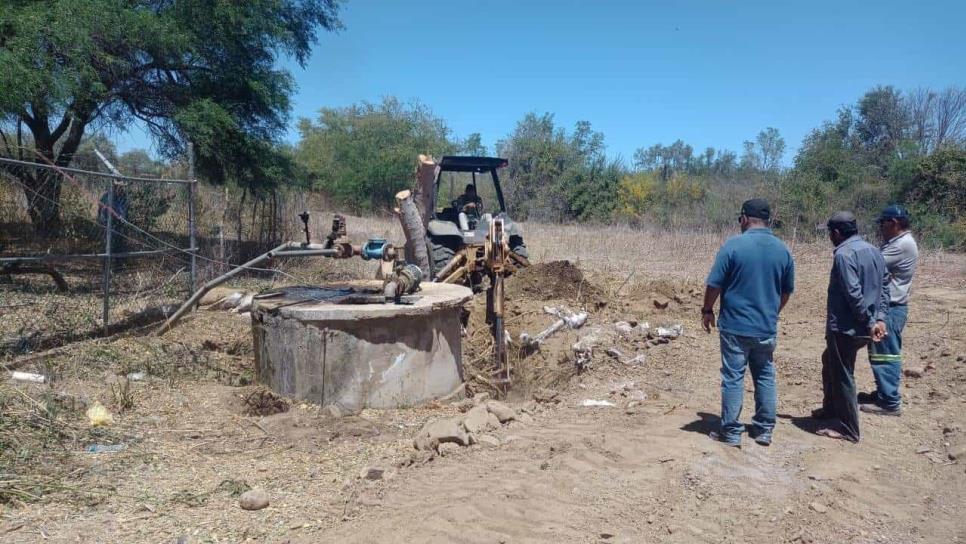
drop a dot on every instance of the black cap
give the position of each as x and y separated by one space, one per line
756 207
894 211
843 222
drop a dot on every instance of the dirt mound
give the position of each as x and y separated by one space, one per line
262 402
555 280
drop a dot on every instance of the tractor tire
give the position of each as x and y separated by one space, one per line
441 255
517 246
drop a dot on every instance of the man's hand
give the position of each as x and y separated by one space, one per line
707 320
879 331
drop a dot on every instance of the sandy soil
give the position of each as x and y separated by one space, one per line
645 473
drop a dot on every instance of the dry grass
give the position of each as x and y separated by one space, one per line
42 430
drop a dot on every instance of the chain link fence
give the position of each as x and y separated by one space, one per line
83 253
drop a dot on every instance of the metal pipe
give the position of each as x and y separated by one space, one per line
307 253
191 302
192 228
108 261
14 162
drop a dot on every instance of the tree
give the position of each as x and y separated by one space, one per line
473 146
771 147
881 125
364 154
556 176
937 119
184 69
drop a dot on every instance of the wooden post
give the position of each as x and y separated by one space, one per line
415 231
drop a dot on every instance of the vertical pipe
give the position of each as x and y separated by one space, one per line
192 234
108 236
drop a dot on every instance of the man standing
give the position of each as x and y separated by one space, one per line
754 274
858 295
901 255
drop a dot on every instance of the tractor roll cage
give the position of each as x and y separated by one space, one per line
475 165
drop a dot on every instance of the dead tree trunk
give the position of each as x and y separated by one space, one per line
423 194
415 231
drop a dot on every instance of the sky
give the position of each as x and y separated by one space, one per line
710 72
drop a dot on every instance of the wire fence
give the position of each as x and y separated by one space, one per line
86 253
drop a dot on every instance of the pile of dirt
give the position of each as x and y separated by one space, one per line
555 280
263 402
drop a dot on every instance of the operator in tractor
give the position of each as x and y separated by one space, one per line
468 204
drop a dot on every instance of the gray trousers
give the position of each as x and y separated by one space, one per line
839 398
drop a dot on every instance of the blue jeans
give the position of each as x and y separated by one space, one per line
738 352
886 359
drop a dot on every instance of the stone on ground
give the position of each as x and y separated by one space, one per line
477 420
441 431
502 412
253 499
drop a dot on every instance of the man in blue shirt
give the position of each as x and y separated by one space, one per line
858 301
754 274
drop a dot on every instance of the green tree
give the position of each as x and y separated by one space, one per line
362 155
185 69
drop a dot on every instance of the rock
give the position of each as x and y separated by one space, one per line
614 353
960 359
478 420
818 507
480 398
448 448
945 353
489 441
253 499
502 412
923 449
637 395
530 407
441 431
464 405
914 371
624 328
957 452
525 418
661 303
376 473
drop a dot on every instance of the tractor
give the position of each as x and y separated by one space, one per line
470 236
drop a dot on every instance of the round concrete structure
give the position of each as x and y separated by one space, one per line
340 344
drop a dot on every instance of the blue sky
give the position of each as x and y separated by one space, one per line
711 72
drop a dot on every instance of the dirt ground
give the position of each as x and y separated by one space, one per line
633 472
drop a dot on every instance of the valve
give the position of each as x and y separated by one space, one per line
376 248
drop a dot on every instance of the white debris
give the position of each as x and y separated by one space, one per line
27 377
592 402
573 321
670 332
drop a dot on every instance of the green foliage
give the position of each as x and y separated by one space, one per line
938 193
185 69
556 176
364 154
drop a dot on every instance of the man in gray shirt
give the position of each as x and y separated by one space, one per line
901 256
858 295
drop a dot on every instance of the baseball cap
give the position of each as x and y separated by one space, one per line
894 211
842 221
756 207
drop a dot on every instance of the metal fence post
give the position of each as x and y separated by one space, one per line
108 237
192 230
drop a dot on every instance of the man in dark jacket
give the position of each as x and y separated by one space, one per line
858 300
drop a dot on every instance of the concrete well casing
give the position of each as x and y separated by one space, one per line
360 356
